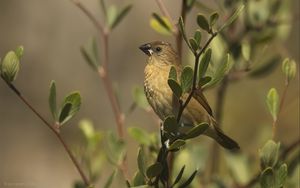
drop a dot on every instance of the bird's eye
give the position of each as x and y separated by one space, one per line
158 49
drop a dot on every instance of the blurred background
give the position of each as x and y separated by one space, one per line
52 33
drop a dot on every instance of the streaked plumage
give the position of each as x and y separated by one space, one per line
160 96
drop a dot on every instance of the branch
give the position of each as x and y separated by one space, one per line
194 86
104 33
92 18
53 128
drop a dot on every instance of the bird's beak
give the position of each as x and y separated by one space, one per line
146 48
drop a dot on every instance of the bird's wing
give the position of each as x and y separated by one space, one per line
199 96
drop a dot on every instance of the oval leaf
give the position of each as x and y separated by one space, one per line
52 100
175 87
74 99
289 68
269 154
196 131
177 144
197 37
120 16
213 18
186 79
204 63
161 24
273 102
202 22
173 73
267 178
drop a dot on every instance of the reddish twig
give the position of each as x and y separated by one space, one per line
53 128
104 75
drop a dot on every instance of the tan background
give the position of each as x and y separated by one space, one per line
52 32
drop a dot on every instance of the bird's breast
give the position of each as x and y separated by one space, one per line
157 91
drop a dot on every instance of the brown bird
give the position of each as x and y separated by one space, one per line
161 57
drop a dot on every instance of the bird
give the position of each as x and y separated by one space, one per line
161 57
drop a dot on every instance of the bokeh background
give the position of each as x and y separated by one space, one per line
52 33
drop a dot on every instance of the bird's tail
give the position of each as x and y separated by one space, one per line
223 139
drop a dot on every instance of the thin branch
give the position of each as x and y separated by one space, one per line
103 72
93 19
53 128
194 86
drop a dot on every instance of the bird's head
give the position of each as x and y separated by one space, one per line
161 52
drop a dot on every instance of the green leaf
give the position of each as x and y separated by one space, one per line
10 67
116 149
175 87
267 178
182 31
246 50
110 179
140 98
173 73
197 37
120 16
204 63
221 71
194 44
70 107
161 24
189 180
213 18
289 68
112 13
203 23
154 170
139 135
90 53
87 128
273 103
65 111
170 124
196 131
138 179
179 176
177 144
205 80
232 18
52 100
186 79
19 52
269 154
141 161
281 176
266 68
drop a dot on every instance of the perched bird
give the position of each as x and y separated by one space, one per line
161 57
